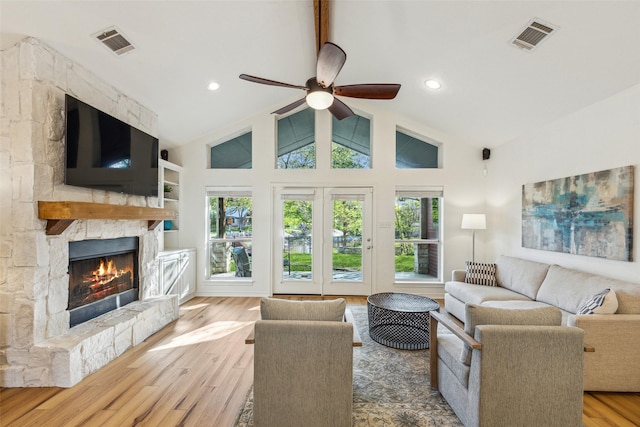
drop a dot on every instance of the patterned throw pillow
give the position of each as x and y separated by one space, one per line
605 302
481 274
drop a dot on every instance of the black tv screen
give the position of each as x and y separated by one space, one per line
105 153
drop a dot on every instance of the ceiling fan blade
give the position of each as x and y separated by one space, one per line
340 110
290 106
260 80
368 91
330 61
321 15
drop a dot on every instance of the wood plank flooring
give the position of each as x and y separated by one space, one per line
197 371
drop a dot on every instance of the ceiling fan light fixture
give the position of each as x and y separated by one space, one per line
319 100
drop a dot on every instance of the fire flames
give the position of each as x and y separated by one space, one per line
98 281
105 273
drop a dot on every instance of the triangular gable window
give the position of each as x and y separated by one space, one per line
297 141
234 153
412 153
351 147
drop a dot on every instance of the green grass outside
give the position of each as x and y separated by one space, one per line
302 262
404 263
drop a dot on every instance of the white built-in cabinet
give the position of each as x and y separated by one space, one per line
176 266
177 273
169 179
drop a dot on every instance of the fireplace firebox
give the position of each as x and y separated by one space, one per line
103 276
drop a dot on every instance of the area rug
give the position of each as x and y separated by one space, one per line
390 387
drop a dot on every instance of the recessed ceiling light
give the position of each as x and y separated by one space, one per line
213 86
433 84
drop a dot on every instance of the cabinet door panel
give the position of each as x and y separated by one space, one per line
170 275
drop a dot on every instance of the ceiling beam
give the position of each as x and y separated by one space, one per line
321 14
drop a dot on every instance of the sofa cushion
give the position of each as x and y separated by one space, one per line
479 273
279 309
474 294
569 289
518 305
476 315
520 275
604 302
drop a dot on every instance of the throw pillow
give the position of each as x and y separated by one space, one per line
481 274
605 302
476 315
280 309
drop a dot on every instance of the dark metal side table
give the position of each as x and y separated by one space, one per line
400 320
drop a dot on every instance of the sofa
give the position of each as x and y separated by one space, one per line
525 284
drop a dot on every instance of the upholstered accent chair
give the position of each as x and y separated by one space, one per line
509 367
303 364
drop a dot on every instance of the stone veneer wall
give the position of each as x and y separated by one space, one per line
37 347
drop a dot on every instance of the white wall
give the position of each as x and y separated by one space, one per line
461 177
603 136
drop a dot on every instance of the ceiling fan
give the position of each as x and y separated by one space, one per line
321 93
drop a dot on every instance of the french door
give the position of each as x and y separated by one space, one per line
322 240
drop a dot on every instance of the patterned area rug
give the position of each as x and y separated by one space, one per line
390 387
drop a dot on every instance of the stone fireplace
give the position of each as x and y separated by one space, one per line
39 347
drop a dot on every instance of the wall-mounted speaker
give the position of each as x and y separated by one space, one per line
486 154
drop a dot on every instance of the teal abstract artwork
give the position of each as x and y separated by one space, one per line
589 214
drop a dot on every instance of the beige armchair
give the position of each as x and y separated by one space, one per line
509 367
303 364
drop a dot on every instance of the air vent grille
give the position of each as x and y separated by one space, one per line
114 40
533 34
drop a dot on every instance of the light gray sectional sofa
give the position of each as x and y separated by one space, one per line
615 364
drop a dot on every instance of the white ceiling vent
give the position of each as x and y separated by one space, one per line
113 39
533 35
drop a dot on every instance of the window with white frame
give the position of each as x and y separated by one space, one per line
351 143
297 140
230 232
234 153
414 153
418 231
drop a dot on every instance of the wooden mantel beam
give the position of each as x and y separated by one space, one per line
60 215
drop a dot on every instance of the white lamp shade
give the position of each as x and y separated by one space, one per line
319 100
474 222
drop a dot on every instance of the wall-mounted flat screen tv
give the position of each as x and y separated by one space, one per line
105 153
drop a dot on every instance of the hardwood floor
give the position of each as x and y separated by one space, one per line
198 371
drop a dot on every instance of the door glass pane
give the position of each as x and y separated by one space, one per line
347 240
297 241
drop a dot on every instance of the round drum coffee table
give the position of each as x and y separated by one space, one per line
400 320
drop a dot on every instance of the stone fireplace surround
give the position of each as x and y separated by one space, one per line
37 346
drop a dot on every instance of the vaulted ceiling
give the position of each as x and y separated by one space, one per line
491 90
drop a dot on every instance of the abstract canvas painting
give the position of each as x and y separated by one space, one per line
589 214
